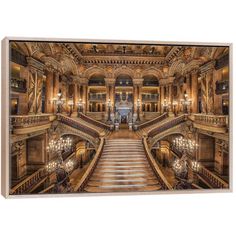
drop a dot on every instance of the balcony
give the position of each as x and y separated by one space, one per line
24 124
97 97
18 85
149 97
213 123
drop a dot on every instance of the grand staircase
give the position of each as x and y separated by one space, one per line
123 167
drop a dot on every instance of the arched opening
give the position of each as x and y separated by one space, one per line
96 92
150 93
123 98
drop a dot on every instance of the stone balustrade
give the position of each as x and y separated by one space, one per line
214 180
30 120
153 121
211 120
24 124
160 176
26 184
83 181
167 125
78 125
95 122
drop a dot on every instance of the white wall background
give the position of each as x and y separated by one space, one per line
200 214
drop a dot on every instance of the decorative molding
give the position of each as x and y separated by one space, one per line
208 67
35 64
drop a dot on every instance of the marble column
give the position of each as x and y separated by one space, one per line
76 92
35 85
188 85
194 91
49 91
137 83
84 84
158 99
207 91
162 98
75 98
210 93
170 97
110 93
56 83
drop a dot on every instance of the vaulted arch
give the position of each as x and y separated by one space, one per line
152 72
124 71
94 71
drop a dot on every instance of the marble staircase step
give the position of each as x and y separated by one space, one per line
108 189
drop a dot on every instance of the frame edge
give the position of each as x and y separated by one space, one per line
5 119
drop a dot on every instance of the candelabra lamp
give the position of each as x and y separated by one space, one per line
165 105
186 103
138 110
58 102
175 105
80 106
70 104
109 111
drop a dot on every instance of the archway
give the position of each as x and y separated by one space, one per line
123 98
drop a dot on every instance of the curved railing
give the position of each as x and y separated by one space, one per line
167 125
34 179
94 122
75 124
30 120
161 178
211 120
213 179
152 122
82 183
207 175
29 182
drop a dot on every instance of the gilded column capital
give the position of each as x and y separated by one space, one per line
166 81
110 81
51 64
35 65
208 67
195 71
138 82
83 81
76 79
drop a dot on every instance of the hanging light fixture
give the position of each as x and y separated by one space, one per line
183 144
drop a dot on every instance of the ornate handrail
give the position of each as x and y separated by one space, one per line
94 122
26 184
30 120
33 179
83 181
153 121
211 120
161 178
213 179
166 125
77 125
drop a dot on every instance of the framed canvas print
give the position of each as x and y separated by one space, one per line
115 117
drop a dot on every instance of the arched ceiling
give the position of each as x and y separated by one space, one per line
113 59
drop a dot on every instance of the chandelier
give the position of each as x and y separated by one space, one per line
183 144
56 164
58 146
180 167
